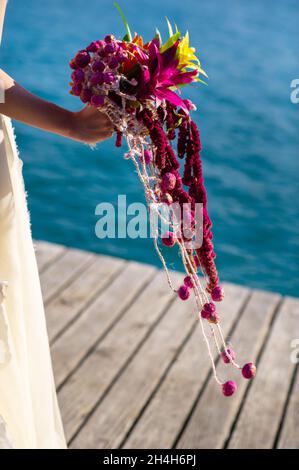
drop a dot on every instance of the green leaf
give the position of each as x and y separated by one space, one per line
159 35
128 32
170 42
179 122
169 27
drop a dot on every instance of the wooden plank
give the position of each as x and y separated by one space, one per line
71 301
82 335
113 418
214 414
89 383
163 418
289 437
61 272
259 421
46 253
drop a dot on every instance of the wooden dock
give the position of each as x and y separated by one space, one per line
132 370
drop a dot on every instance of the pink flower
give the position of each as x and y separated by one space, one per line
229 388
113 62
249 370
93 46
78 75
108 77
76 89
168 182
97 100
228 354
110 48
85 95
217 294
161 74
188 282
98 66
168 239
109 38
97 78
183 292
82 59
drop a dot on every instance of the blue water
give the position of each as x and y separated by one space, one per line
248 124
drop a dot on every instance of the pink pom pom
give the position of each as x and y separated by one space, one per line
188 282
229 388
148 156
113 62
183 292
85 95
214 318
97 78
228 354
217 294
97 100
78 75
76 89
249 370
73 64
82 59
168 182
109 38
109 48
108 77
98 66
209 307
93 46
168 239
205 314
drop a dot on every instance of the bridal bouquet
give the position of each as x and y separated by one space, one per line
138 84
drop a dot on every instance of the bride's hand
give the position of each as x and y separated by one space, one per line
91 126
88 125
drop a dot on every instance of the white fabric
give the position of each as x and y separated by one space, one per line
29 414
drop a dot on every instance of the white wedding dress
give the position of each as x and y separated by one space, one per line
29 414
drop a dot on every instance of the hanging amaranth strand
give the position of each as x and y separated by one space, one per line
137 84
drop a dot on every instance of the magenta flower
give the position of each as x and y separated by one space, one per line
97 100
78 75
97 78
162 74
82 59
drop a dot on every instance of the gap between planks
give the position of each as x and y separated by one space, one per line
214 412
117 413
263 410
82 336
185 380
97 374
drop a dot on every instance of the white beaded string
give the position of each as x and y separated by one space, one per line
135 144
145 181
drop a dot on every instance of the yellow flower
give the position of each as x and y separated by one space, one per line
187 57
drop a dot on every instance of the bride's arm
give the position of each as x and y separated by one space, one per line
87 125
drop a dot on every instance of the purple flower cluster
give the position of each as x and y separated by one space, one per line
134 83
95 70
189 145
